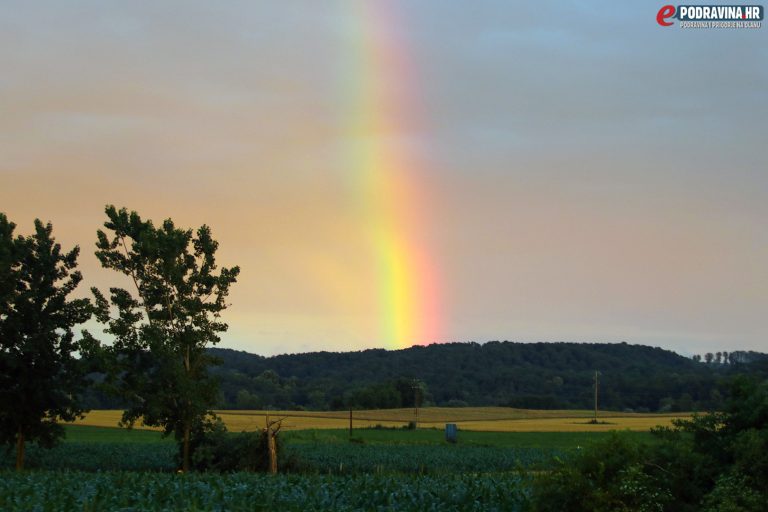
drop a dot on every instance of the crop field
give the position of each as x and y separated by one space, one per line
67 491
375 451
399 436
369 436
381 466
321 451
488 419
108 468
354 458
104 456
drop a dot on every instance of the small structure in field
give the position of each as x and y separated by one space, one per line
451 433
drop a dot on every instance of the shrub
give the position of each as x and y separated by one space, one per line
608 476
718 461
216 449
733 493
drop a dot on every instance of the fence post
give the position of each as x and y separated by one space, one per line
271 447
272 451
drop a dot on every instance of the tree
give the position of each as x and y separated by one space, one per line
161 334
9 264
712 462
247 400
708 357
40 375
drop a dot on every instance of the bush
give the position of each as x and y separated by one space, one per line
216 449
733 493
716 462
606 477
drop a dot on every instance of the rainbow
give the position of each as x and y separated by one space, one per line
386 176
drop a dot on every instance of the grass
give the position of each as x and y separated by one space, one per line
89 434
487 419
370 436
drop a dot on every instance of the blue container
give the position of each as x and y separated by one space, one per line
451 432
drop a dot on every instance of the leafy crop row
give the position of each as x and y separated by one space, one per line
130 491
84 456
341 458
354 458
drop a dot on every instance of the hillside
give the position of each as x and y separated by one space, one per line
530 375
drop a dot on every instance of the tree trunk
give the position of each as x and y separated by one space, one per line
187 422
272 448
185 461
20 450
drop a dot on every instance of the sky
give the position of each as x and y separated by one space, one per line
409 172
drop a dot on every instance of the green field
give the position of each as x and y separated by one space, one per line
327 451
76 433
372 436
99 468
549 440
72 491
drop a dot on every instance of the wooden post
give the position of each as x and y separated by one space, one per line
271 447
350 423
272 451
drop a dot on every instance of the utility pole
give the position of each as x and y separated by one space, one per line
597 384
416 388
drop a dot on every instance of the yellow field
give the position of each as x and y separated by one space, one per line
498 419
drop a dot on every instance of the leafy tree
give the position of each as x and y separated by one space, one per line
377 396
606 477
246 400
9 263
713 462
40 375
161 333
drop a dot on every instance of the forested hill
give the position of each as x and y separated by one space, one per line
531 375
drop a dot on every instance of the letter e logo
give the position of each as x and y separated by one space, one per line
665 12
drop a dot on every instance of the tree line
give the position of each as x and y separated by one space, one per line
157 363
725 357
526 375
